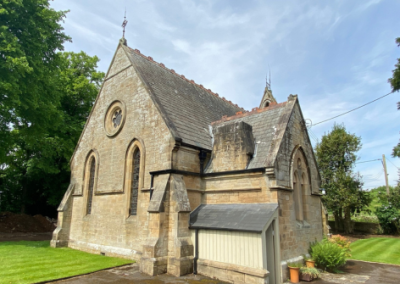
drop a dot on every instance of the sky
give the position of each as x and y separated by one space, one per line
335 55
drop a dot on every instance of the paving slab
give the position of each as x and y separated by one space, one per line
130 274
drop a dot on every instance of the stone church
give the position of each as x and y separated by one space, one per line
181 180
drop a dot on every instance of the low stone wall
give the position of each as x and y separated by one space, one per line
361 227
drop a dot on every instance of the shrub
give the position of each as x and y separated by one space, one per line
342 242
389 218
328 255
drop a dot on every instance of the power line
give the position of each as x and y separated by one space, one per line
352 109
368 161
393 164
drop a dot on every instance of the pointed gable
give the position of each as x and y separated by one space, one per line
187 107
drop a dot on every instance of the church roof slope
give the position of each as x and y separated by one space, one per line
188 108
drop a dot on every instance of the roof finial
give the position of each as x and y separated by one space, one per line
268 79
124 23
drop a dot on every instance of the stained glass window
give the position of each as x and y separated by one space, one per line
91 185
135 182
117 118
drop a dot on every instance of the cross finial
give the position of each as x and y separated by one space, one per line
124 23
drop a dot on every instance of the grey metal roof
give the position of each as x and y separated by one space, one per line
232 217
187 108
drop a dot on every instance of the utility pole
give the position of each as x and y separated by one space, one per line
386 174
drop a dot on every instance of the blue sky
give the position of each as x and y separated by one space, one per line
336 55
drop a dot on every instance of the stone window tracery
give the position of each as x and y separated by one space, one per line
300 180
114 118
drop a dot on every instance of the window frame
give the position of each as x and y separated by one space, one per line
86 181
136 144
300 178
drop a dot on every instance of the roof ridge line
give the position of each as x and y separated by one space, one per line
137 51
255 110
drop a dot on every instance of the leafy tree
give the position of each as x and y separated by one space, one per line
389 211
45 98
37 172
336 157
395 82
30 38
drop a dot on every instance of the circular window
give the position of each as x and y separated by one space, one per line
114 118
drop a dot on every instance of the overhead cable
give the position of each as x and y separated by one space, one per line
352 109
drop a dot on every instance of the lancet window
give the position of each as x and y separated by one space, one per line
300 185
134 182
92 172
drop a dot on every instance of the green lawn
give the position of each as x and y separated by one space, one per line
30 262
385 250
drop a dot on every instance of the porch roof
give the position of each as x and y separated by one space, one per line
232 217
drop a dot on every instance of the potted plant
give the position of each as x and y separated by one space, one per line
309 261
294 269
309 273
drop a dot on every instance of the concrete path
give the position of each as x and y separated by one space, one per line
130 274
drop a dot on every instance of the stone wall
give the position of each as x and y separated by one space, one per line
233 147
108 228
295 236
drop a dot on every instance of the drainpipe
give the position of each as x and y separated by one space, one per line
196 251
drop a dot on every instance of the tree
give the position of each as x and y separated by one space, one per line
30 38
37 172
45 98
388 212
395 83
336 157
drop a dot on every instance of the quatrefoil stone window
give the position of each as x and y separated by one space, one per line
114 118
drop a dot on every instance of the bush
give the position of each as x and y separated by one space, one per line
389 218
328 255
342 242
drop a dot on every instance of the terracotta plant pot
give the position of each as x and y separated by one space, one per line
310 263
306 277
294 274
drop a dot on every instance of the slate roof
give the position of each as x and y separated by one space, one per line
188 108
232 217
269 125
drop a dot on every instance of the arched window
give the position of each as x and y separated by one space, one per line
300 180
134 175
135 182
92 173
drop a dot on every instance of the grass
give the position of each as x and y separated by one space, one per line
31 262
384 250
